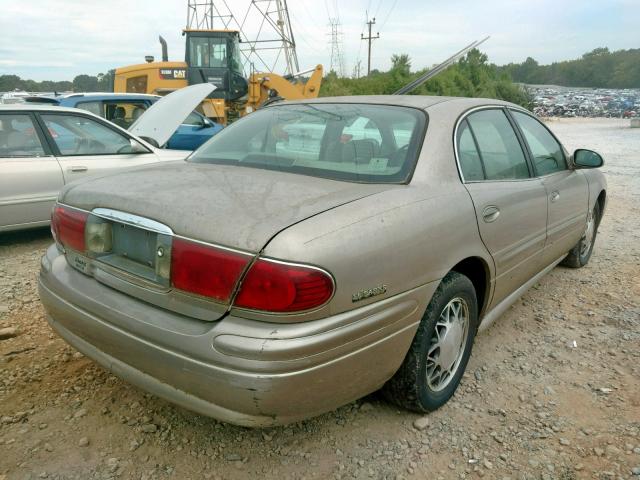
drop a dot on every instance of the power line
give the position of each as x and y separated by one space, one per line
388 14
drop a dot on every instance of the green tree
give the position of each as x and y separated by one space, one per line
85 83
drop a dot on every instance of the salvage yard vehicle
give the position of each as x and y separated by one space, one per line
44 147
275 275
124 109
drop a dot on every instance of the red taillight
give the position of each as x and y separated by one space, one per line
67 226
205 270
280 287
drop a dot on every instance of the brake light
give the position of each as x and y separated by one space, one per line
205 270
273 286
67 227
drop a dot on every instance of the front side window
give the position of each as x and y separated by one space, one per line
76 135
352 142
546 152
18 136
498 145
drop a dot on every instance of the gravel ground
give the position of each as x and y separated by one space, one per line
552 390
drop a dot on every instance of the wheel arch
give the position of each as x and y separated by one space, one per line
477 270
602 201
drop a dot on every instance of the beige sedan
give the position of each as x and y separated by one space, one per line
314 252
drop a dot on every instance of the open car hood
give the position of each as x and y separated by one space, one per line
164 117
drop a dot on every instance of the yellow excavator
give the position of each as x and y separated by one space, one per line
213 56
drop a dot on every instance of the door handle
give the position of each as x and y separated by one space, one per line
555 195
490 213
78 168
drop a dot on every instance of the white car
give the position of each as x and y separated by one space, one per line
44 147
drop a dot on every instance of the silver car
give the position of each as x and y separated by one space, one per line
44 147
316 251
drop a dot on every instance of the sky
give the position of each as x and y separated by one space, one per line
59 39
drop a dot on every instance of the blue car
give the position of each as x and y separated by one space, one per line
124 108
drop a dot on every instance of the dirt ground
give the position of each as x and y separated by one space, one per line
552 390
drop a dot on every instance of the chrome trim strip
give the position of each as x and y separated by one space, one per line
152 225
28 200
133 220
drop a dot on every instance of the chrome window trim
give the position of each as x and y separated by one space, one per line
463 117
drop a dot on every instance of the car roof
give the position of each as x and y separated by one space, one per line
108 95
417 101
40 107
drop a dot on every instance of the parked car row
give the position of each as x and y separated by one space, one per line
44 147
124 109
316 251
585 102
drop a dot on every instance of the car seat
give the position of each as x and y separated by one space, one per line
137 113
361 151
118 117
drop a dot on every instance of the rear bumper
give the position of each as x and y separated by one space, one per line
241 371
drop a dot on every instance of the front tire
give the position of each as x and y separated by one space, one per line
440 350
579 255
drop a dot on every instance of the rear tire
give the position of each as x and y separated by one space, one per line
440 350
579 255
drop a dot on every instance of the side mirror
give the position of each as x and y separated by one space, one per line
137 147
583 158
205 123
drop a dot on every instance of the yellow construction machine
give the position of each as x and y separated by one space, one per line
213 56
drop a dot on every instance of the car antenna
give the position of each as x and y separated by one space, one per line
438 68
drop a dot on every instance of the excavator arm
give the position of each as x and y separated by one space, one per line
263 86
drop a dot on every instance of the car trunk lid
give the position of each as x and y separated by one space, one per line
227 205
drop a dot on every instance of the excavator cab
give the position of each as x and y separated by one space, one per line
213 56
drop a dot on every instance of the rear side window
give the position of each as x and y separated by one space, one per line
468 156
122 113
546 152
18 137
353 142
498 145
93 107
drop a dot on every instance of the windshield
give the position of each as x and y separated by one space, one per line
353 142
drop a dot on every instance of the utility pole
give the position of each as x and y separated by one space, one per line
369 39
356 69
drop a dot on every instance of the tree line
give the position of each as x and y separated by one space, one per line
599 68
472 76
103 82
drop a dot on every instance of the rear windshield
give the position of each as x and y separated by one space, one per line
352 142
